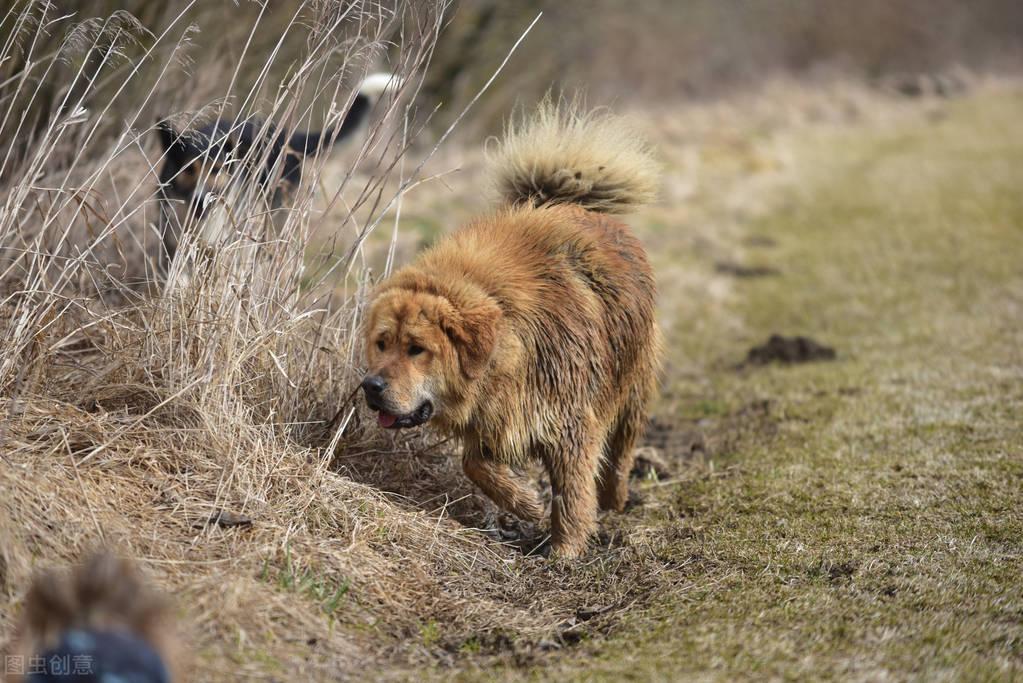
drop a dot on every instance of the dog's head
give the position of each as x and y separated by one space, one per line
196 167
424 351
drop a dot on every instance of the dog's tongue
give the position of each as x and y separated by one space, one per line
385 420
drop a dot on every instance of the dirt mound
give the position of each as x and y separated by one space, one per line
789 350
743 271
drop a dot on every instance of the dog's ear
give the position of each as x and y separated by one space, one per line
169 138
472 330
175 148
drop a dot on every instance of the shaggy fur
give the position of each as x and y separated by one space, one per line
593 160
102 608
530 333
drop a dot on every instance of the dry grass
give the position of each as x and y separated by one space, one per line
133 416
133 413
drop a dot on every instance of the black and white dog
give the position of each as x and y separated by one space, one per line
199 165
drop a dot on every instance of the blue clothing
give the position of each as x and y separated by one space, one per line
86 656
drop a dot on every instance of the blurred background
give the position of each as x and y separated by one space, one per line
660 50
651 51
128 65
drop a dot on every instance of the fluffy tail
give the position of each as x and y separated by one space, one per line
377 84
562 155
309 143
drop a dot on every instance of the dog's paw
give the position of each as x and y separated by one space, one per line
538 547
634 501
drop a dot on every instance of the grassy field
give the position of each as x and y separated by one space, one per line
863 519
857 519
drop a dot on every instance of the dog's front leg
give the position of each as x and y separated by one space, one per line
573 471
497 480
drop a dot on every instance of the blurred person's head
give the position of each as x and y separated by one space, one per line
100 622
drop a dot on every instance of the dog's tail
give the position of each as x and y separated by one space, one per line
308 143
562 155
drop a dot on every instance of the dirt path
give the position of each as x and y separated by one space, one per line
857 518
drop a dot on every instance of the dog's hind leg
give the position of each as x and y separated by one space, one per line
619 450
501 485
573 471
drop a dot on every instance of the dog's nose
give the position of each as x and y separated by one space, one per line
374 385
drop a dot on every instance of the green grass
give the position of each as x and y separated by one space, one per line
875 530
327 592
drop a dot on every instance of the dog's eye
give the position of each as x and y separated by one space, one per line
415 350
380 344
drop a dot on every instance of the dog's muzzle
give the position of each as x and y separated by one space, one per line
374 387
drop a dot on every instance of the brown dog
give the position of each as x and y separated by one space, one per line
530 332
